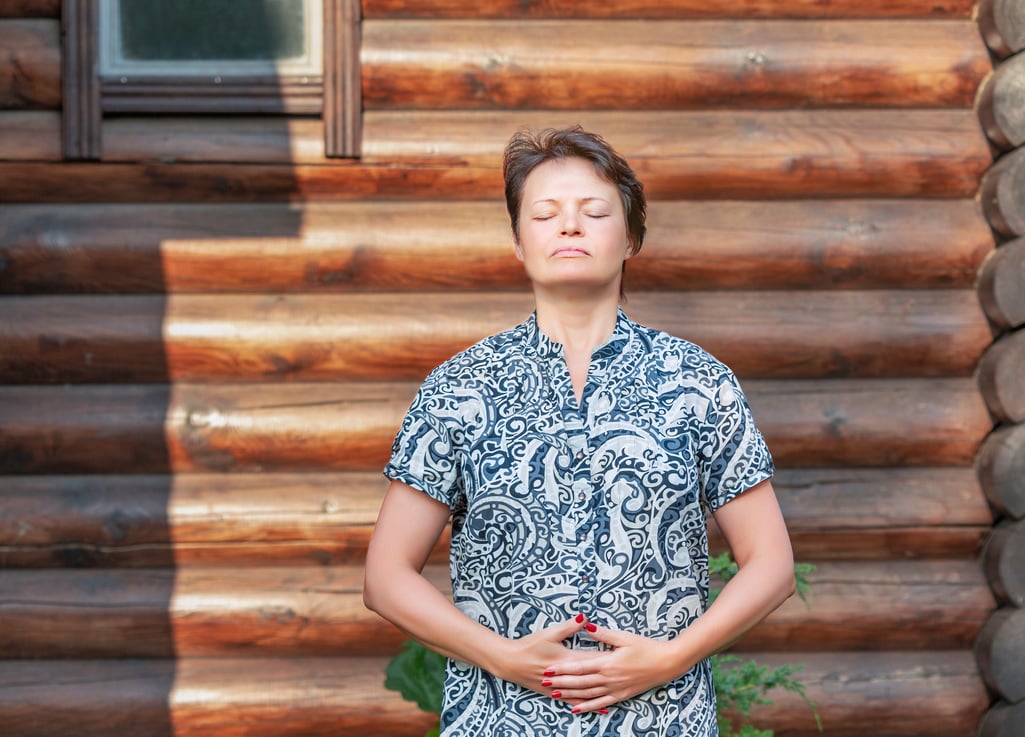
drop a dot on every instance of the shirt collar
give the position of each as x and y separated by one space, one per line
602 357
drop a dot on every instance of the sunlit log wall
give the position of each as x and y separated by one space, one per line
209 334
1000 647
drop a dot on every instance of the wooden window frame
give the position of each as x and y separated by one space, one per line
335 94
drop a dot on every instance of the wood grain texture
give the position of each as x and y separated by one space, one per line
770 154
350 427
667 9
278 519
928 694
30 69
380 337
318 611
30 9
429 246
671 65
30 135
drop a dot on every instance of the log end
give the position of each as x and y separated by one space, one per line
1001 104
1000 651
1002 24
1003 720
1001 468
1002 378
1002 285
1004 560
1003 194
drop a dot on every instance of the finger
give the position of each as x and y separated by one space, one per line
600 705
561 630
576 664
608 636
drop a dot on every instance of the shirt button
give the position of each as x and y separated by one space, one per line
581 536
581 496
580 454
585 578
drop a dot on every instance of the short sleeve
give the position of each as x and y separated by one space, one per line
732 453
424 454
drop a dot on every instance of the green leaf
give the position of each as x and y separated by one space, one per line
418 674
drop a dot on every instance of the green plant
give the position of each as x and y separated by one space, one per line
418 673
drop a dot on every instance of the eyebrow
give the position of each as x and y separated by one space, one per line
584 200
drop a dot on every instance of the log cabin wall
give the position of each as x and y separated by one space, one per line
1000 646
210 332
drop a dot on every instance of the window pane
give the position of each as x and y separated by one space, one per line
256 30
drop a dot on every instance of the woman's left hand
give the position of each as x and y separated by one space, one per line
634 665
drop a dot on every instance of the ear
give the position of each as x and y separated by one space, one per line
518 249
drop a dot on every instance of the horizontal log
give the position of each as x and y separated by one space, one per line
421 246
30 9
1001 104
776 334
1000 651
1002 23
1004 559
672 65
204 697
30 135
1001 465
350 427
1001 377
679 155
305 611
927 694
1002 192
1003 720
1002 285
30 70
667 9
327 518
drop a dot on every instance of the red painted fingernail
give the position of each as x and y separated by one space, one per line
603 710
580 618
592 627
549 672
556 694
546 683
576 709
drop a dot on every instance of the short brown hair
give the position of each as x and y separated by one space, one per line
526 151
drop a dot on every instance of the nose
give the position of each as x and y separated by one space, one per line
571 224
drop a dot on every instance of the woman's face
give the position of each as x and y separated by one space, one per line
572 228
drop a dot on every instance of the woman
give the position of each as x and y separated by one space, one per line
575 454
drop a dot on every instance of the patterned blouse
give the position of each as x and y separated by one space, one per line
596 507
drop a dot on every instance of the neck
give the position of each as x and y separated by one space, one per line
580 324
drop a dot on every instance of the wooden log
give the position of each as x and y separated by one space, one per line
1002 285
402 337
1001 104
1001 377
274 140
666 9
1002 23
1002 192
204 697
673 65
350 427
30 70
1000 651
306 611
1001 465
418 246
1004 559
679 155
327 518
30 9
30 135
1003 720
930 694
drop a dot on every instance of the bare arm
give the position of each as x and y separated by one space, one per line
757 536
408 528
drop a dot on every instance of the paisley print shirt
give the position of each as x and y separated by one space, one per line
562 507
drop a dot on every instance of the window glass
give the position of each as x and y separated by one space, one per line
210 37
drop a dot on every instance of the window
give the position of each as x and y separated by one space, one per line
211 56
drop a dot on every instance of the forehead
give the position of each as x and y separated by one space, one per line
570 178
